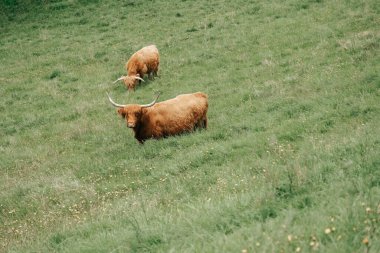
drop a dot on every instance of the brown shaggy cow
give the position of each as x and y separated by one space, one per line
144 61
183 113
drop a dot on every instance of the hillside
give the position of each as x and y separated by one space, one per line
290 161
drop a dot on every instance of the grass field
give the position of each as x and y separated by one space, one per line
290 161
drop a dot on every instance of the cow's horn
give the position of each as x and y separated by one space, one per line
120 78
139 78
151 104
113 103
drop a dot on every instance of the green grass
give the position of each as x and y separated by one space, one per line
290 161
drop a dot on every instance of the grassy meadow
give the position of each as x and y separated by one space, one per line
290 161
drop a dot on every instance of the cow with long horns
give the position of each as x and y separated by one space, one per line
183 113
144 61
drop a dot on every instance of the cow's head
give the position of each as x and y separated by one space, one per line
130 81
131 113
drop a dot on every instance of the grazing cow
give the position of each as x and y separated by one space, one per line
144 61
183 113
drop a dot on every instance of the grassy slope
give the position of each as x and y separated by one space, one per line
292 147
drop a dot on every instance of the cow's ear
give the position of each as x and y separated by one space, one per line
121 112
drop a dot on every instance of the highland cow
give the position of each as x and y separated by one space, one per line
181 114
145 61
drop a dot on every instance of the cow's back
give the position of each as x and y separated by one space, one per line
148 54
184 104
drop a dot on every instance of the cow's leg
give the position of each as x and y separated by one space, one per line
205 122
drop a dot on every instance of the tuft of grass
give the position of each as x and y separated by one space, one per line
54 74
